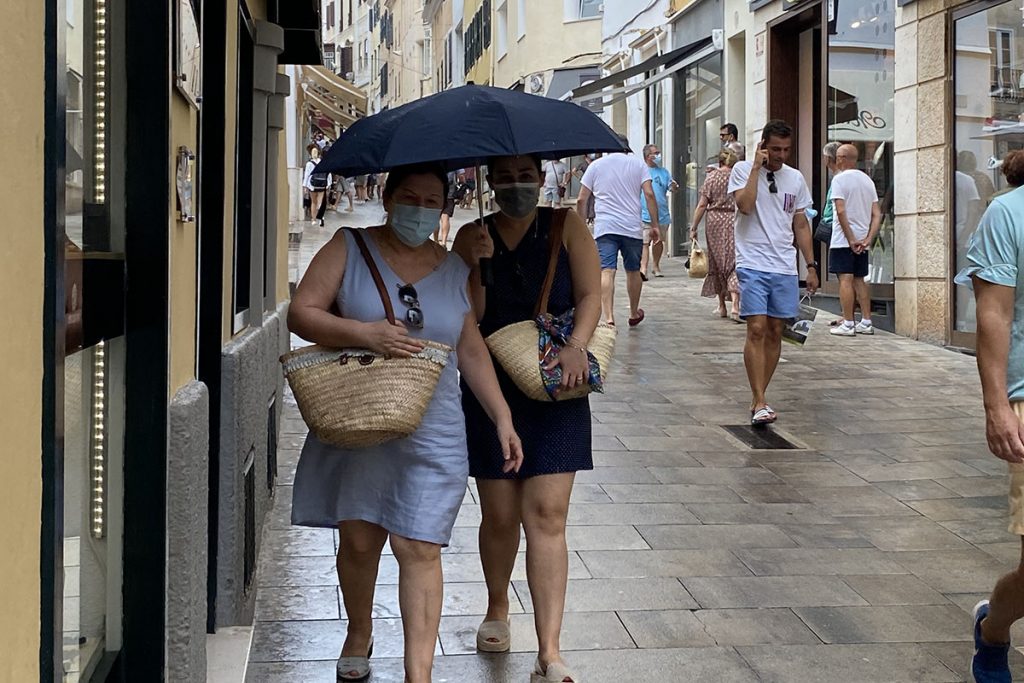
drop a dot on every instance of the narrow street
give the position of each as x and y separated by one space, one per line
855 554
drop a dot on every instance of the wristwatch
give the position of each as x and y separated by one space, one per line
815 265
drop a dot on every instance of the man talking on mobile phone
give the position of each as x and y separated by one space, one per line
770 226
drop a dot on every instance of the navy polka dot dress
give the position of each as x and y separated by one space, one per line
555 435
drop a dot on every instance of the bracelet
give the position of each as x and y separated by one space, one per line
577 346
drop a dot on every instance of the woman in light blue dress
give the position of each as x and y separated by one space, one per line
409 490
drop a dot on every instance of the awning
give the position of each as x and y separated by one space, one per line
680 59
346 102
643 67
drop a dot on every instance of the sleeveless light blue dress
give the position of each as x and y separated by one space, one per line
412 487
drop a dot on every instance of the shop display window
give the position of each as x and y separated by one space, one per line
989 107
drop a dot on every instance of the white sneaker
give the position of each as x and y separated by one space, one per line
864 328
844 330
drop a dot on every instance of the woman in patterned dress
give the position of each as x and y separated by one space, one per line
717 205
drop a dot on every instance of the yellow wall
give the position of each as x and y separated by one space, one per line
182 243
481 71
21 176
548 42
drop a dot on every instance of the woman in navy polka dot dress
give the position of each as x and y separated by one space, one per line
556 435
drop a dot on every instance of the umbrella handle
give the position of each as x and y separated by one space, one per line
486 267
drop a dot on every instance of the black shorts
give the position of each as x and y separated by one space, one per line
843 261
449 206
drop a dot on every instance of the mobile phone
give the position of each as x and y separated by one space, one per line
760 145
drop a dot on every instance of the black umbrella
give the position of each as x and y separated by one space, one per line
464 127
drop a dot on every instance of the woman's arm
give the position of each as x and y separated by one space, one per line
698 215
585 266
478 370
310 317
473 243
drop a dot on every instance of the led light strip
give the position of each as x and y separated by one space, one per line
99 192
98 467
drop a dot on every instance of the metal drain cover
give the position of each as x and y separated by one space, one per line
760 438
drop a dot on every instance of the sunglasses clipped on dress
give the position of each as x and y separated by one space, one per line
408 296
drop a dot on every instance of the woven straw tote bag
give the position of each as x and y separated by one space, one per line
698 261
515 346
353 398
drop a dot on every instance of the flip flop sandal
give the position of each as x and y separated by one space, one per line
355 668
494 636
556 673
644 278
762 416
633 322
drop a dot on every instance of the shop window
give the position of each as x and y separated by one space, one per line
861 64
502 37
93 381
243 177
989 105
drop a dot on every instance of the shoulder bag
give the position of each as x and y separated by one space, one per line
356 398
524 348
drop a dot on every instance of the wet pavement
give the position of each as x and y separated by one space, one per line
855 555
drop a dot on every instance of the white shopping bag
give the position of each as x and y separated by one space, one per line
797 330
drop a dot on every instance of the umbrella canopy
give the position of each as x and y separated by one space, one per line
464 127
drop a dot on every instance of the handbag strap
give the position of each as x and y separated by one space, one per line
554 248
385 299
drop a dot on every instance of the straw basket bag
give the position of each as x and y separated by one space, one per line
698 261
516 346
355 398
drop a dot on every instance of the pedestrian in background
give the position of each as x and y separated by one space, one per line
770 226
586 211
556 435
407 491
856 221
996 273
728 133
556 179
316 183
615 180
662 183
444 225
717 206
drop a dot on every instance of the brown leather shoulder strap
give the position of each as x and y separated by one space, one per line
385 298
554 248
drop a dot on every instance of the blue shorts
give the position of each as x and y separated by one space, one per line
632 249
772 294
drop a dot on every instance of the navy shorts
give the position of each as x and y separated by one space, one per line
609 246
843 261
772 294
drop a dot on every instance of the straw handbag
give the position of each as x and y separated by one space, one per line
355 398
517 346
698 261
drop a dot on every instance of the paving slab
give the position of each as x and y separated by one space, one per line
888 624
847 663
738 627
771 591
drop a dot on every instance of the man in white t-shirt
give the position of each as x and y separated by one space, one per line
556 179
615 181
770 225
856 218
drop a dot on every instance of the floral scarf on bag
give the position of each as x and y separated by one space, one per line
554 334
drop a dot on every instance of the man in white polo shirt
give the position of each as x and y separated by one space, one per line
855 224
770 225
615 181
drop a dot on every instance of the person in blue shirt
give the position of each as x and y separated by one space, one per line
662 183
995 255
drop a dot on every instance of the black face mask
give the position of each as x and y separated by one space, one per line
517 200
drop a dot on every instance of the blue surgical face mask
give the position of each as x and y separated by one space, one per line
657 160
413 225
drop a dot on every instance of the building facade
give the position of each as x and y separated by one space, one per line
152 270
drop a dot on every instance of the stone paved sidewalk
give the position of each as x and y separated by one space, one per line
854 557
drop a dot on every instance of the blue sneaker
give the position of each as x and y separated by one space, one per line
990 663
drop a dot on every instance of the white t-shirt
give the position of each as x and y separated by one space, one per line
616 180
764 239
858 191
307 176
966 192
554 172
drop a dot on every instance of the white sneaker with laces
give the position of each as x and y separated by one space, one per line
844 330
864 328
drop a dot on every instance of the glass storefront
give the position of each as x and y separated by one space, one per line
94 343
861 65
698 118
989 106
